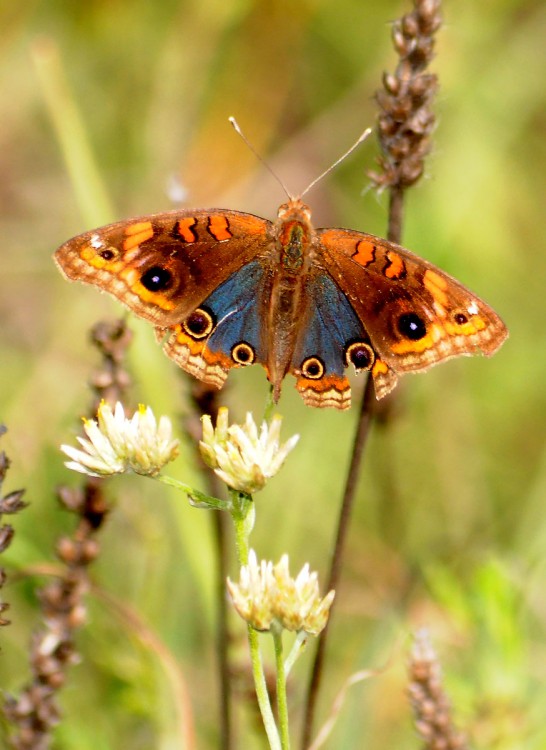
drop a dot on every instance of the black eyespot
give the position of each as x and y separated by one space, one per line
460 319
243 354
412 326
361 355
107 254
312 368
199 324
156 279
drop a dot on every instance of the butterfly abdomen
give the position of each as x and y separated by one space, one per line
287 303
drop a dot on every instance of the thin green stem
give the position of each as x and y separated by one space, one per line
220 526
282 705
199 499
242 512
345 512
269 406
205 400
297 649
262 694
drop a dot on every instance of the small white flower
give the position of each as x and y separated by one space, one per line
252 595
116 444
240 455
266 593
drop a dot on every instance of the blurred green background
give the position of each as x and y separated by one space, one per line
450 528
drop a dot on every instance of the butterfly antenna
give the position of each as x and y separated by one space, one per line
357 143
260 158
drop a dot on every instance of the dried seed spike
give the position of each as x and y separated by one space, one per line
406 121
431 707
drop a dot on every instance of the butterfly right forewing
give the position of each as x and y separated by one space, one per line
415 314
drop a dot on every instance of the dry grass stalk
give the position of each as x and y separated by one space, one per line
35 713
431 707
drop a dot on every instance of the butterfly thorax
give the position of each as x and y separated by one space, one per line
293 232
293 236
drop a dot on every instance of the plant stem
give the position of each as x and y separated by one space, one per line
195 496
262 694
282 705
396 214
243 518
204 399
242 512
404 148
296 651
359 444
222 630
270 406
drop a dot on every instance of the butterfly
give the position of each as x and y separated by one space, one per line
228 289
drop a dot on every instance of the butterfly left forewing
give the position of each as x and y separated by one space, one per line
162 266
414 314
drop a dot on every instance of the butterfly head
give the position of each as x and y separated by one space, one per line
295 210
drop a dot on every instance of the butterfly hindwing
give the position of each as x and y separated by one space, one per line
224 331
332 340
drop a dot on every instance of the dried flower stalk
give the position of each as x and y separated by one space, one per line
111 381
405 124
9 504
35 713
406 120
204 399
431 708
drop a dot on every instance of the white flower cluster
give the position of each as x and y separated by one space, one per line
241 456
266 594
116 444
